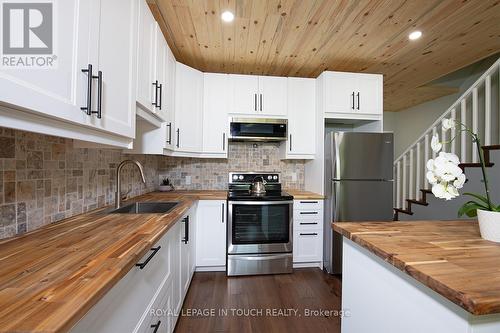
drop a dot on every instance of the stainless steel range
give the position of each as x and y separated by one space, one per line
259 225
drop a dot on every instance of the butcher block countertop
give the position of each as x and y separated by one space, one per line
51 277
305 195
449 257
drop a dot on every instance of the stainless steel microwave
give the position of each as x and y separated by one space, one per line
258 129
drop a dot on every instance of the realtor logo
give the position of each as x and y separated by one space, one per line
28 34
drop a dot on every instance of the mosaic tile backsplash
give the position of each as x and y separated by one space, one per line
44 179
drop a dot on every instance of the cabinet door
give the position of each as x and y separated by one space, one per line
211 233
301 123
170 99
369 97
188 108
161 69
340 92
307 245
117 62
244 97
215 116
59 91
146 56
272 95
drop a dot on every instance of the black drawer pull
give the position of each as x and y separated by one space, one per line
156 326
308 202
143 264
309 234
308 213
308 223
185 240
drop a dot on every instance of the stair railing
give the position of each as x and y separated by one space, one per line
477 108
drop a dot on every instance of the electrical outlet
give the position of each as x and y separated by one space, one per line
188 180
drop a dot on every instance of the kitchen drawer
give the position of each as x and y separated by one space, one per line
307 245
159 314
310 224
308 214
307 204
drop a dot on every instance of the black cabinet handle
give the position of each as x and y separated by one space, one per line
186 230
260 102
178 136
223 141
143 264
160 87
308 202
155 103
88 108
169 141
352 100
255 102
308 213
358 100
290 142
308 223
223 211
156 326
309 234
99 94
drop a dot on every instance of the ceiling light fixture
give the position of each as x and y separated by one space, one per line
415 35
227 16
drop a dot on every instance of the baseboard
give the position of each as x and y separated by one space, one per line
318 264
211 269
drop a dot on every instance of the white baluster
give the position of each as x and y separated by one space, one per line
475 121
404 182
411 179
487 111
453 132
426 157
463 134
398 184
434 133
443 138
418 181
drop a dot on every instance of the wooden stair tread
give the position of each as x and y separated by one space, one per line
404 211
491 147
418 202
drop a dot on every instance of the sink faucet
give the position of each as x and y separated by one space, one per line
118 196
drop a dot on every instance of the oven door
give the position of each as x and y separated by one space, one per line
259 227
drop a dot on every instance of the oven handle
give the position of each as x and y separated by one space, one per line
260 203
264 257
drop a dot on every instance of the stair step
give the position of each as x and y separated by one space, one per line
491 147
404 211
418 202
474 165
425 190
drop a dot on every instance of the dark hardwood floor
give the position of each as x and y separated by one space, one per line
262 303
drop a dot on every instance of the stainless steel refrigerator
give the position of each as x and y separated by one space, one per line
358 185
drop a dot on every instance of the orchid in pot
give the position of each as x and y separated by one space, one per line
446 178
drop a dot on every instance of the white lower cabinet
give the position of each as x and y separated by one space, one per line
149 299
308 233
211 229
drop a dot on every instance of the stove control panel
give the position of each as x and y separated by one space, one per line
248 177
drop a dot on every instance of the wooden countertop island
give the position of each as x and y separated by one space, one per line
460 270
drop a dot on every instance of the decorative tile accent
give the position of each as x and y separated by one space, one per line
44 179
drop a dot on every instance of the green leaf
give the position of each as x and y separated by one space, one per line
477 196
470 209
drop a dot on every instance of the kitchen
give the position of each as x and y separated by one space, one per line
149 185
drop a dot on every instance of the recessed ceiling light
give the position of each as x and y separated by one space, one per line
227 16
415 35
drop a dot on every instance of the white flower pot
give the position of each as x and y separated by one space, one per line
165 188
489 225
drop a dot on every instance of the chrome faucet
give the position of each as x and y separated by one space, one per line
118 196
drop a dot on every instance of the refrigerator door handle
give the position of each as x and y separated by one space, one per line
335 201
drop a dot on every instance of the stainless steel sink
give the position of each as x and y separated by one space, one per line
145 208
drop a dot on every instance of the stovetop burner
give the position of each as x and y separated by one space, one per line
240 184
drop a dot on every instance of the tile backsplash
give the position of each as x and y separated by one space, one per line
44 179
206 174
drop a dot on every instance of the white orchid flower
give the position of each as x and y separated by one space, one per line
430 165
439 190
460 181
435 144
448 124
431 178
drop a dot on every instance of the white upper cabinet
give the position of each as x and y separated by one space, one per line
352 94
93 77
170 99
215 114
117 62
258 95
272 95
188 109
61 90
301 143
146 55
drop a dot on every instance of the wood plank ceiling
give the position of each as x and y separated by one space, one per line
306 37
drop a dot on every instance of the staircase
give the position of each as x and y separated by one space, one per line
479 109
